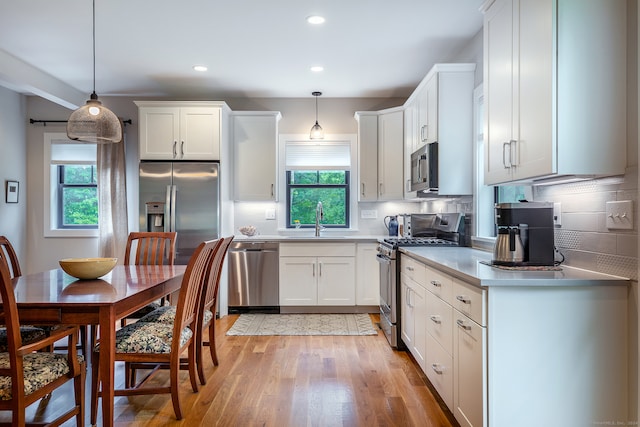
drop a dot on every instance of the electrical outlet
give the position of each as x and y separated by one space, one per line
619 215
369 214
270 214
557 214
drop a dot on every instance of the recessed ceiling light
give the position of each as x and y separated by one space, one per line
315 19
317 68
200 68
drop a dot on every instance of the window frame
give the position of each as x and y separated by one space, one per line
60 196
346 186
50 193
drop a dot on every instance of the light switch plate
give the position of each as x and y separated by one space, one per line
619 215
270 214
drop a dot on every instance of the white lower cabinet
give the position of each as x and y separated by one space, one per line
468 345
320 274
367 274
452 323
413 314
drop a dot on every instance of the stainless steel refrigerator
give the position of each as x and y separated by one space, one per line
182 197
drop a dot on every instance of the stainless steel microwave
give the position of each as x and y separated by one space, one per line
424 169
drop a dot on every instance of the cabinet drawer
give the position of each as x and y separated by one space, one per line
440 321
439 370
318 249
413 269
470 300
439 283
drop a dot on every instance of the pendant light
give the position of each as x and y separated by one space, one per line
93 122
316 130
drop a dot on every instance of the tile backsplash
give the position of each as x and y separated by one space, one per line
583 237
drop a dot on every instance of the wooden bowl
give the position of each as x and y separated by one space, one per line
87 268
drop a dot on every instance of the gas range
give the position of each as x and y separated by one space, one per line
418 241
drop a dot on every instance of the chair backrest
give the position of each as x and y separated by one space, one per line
150 247
10 320
210 293
6 250
190 289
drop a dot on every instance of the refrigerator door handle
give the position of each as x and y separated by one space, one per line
167 209
174 189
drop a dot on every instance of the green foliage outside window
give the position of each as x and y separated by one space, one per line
78 196
307 188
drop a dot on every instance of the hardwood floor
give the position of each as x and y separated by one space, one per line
289 381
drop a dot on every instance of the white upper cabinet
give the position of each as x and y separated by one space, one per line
555 89
255 155
380 155
180 130
441 110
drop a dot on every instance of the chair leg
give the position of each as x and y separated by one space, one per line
198 356
175 397
212 341
78 388
192 364
95 384
83 341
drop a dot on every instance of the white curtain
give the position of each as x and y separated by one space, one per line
112 199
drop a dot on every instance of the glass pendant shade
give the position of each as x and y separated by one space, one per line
316 130
94 123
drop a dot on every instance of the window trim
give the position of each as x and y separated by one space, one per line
50 228
346 187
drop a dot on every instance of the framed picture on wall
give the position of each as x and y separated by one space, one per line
13 188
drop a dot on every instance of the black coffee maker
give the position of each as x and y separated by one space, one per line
533 222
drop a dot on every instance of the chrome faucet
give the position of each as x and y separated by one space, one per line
319 217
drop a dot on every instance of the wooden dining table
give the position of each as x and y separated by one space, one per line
53 297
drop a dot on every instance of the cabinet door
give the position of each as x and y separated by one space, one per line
367 274
199 133
468 371
406 313
431 100
439 368
255 157
390 156
336 281
298 281
499 87
159 133
534 103
418 302
368 158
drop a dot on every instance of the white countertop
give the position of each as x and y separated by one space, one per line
308 237
464 263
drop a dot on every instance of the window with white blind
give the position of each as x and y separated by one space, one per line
71 191
318 172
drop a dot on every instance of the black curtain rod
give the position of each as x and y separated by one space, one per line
32 121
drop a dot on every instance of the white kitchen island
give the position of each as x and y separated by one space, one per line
530 348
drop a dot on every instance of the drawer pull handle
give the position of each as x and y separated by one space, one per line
463 299
460 323
437 368
436 283
435 319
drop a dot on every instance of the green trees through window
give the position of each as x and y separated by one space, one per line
306 188
78 196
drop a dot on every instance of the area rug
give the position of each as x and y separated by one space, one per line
302 324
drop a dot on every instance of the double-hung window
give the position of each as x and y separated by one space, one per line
318 172
71 187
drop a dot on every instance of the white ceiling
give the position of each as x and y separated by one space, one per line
253 48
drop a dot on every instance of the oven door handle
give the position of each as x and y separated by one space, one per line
383 259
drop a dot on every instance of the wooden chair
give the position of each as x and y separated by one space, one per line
28 333
207 311
149 248
162 344
28 374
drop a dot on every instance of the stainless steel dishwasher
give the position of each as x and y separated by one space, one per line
253 276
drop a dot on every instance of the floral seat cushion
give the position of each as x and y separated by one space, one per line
143 337
28 334
39 370
167 314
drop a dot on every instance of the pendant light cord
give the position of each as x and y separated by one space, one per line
316 107
94 46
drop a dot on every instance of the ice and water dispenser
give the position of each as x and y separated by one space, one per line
155 216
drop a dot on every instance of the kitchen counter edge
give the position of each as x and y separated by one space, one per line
467 264
309 239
